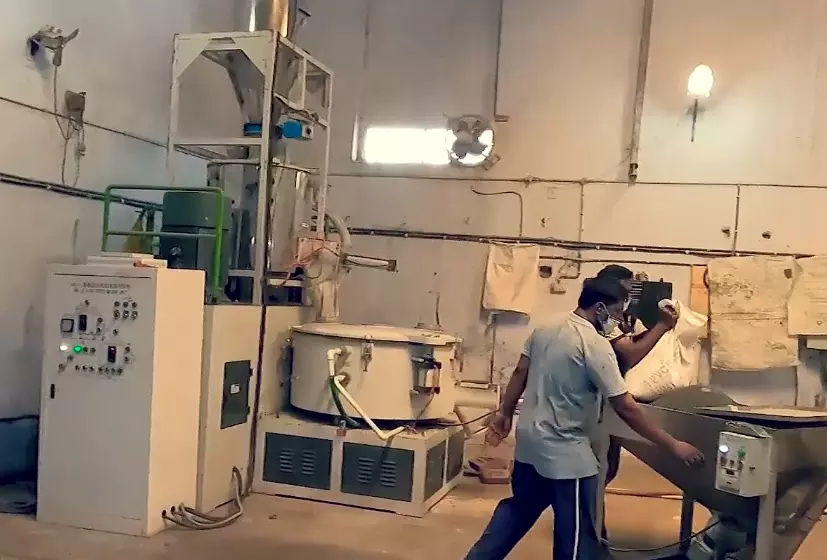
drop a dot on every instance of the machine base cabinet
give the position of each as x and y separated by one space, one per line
406 475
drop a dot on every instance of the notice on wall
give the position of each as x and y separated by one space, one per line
807 306
748 304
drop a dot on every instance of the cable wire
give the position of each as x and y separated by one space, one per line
643 494
664 547
191 518
469 422
518 194
75 129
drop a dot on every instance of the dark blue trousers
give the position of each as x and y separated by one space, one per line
573 504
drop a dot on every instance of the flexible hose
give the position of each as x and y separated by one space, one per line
334 378
191 518
384 436
334 394
341 229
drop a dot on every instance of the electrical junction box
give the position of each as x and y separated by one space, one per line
120 394
743 465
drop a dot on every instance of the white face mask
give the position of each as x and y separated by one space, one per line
607 324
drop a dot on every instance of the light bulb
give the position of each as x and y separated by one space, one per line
700 82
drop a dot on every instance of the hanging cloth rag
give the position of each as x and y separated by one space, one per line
511 278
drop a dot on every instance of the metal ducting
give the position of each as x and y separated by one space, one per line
279 15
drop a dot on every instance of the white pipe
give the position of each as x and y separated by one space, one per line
466 424
370 262
334 353
486 399
342 231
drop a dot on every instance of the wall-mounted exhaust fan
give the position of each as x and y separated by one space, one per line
471 141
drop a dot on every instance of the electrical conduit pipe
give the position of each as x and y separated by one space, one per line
334 353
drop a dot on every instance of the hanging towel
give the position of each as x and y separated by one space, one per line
511 278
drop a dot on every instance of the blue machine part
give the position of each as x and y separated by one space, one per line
290 129
296 130
252 129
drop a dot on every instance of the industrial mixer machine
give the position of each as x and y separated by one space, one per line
364 425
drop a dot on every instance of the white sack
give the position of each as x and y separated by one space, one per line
673 362
511 278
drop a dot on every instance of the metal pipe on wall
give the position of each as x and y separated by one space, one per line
566 244
74 192
496 100
737 218
640 88
583 181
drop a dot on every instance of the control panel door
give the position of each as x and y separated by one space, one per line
96 398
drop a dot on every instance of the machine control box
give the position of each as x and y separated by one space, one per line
743 465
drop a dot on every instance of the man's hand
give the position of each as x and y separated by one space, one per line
687 453
499 426
668 316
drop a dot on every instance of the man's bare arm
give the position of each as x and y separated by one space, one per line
516 387
633 349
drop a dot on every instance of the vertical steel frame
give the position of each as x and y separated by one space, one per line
263 49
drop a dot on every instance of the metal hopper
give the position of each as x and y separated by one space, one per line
770 526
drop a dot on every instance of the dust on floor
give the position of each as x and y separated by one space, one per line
290 529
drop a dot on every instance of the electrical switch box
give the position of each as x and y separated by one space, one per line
743 465
119 405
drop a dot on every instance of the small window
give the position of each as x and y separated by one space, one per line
406 146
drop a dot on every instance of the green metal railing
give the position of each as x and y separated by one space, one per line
215 288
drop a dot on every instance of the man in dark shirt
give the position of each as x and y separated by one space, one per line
631 342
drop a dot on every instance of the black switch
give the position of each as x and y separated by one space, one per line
82 320
111 354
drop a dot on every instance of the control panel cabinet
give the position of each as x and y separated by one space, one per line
120 395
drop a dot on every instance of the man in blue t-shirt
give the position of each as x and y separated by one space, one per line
565 371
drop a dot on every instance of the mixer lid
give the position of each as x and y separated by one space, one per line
378 333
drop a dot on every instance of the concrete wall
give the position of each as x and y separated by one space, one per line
122 60
750 181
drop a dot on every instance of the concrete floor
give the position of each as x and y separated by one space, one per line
287 529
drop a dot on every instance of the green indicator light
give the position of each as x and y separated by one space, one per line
741 453
77 349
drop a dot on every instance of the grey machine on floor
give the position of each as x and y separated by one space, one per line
764 479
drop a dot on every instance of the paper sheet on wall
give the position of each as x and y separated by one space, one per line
807 306
748 306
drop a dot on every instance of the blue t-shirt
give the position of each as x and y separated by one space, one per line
572 368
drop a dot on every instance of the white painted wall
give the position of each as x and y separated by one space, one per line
122 60
567 75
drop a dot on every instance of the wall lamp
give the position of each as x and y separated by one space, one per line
699 88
